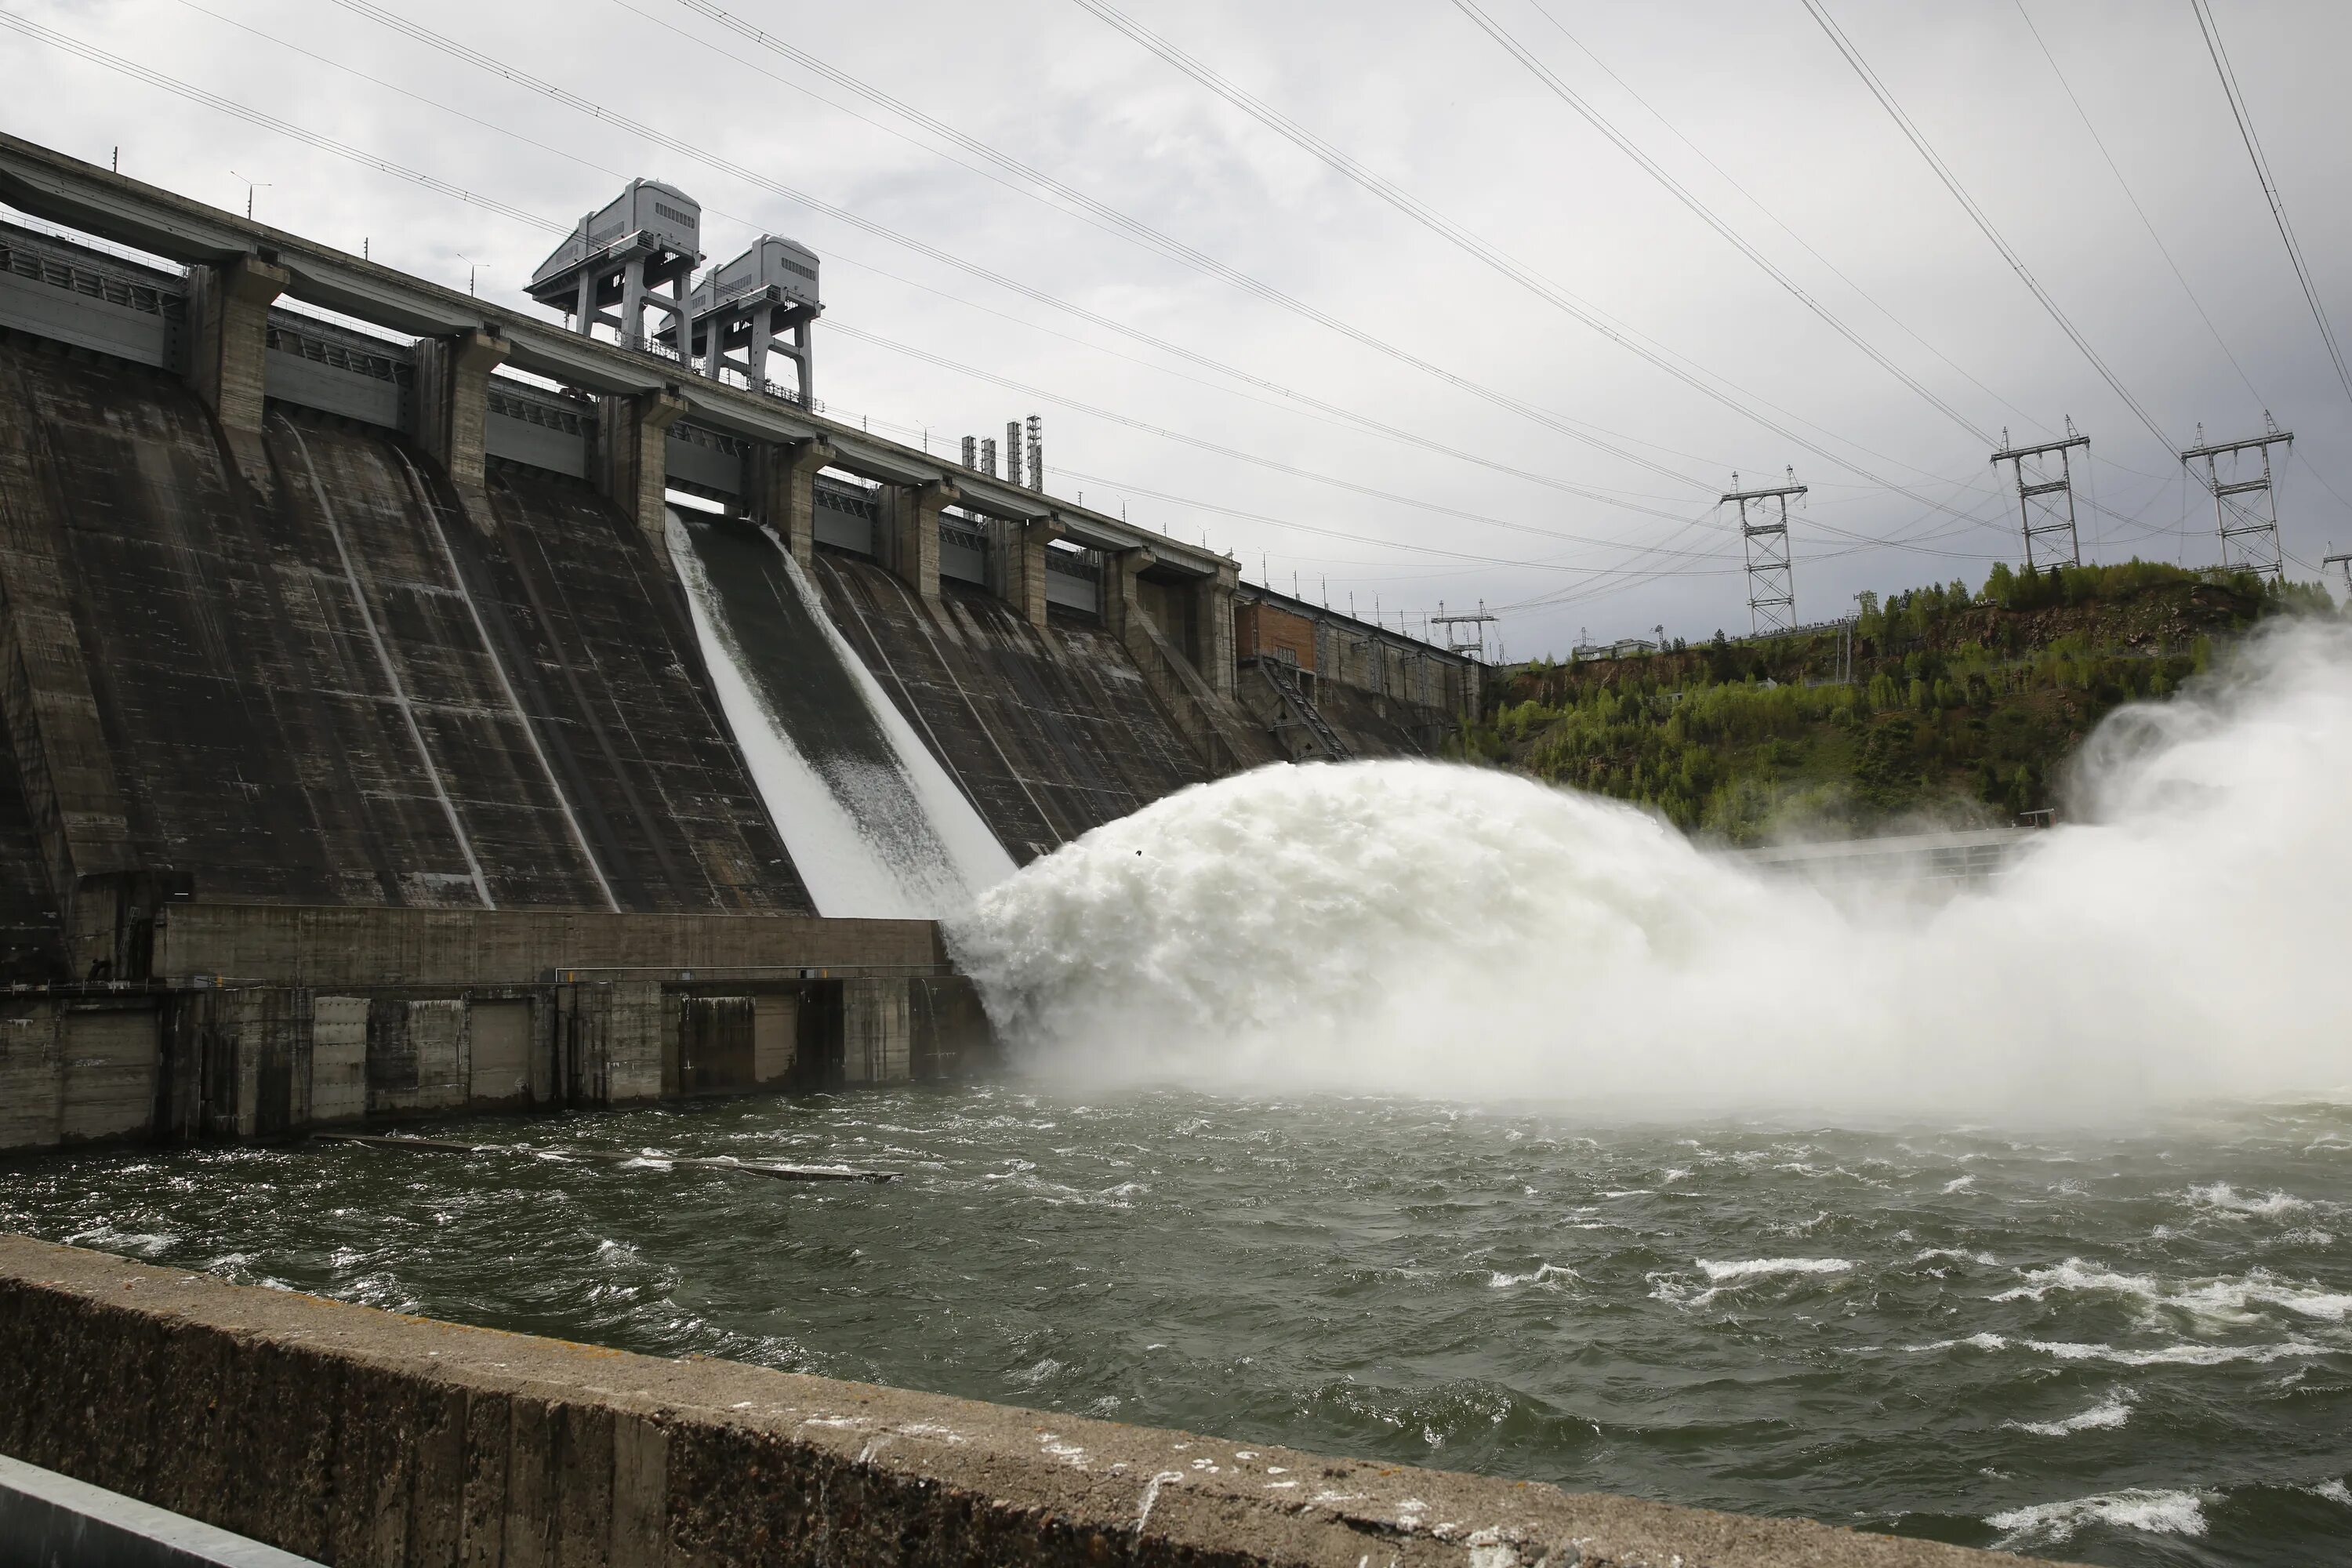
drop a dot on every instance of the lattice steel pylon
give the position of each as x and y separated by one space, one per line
2244 510
2045 505
1771 574
2340 563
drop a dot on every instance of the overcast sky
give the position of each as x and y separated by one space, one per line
1716 91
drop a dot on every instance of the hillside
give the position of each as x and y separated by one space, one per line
1962 707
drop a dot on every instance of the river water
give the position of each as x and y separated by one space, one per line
2122 1348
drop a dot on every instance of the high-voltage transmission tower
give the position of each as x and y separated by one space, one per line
1771 578
2339 563
2045 502
2244 510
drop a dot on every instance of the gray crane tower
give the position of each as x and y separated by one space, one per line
763 302
620 260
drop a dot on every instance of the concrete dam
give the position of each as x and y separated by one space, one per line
413 704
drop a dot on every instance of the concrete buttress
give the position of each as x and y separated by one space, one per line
1216 620
911 534
1020 566
633 457
1198 703
453 383
228 338
784 491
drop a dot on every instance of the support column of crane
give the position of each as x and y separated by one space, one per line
1771 574
2045 504
2245 512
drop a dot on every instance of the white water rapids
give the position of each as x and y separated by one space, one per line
1427 929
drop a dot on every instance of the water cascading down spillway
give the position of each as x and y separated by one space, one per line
876 826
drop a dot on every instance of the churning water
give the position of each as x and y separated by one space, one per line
1426 1113
1426 929
2121 1347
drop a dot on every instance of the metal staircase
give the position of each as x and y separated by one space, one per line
1285 681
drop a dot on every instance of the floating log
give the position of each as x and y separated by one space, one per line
619 1157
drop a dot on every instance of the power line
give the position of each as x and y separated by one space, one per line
475 57
1275 464
1977 214
2270 188
1706 215
579 104
1777 221
339 149
324 144
2125 186
1294 402
1421 213
1124 225
270 122
1221 510
574 101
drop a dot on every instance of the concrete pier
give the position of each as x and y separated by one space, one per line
352 1436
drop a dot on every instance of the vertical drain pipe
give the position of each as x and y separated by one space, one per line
490 652
391 674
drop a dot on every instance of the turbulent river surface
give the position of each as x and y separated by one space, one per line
2113 1348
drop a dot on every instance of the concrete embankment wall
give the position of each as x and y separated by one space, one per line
352 1435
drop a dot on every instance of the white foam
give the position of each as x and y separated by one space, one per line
2222 1196
2112 1411
2334 1491
1502 1282
2135 1508
1974 1342
1430 929
1758 1267
2227 1299
2179 1354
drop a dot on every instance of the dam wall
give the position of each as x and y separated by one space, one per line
324 588
347 1435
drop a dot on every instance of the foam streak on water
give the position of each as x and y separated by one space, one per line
1432 928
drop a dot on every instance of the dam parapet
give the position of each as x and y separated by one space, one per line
345 1434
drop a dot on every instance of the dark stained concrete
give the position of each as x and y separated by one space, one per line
1052 732
31 945
324 682
358 1437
